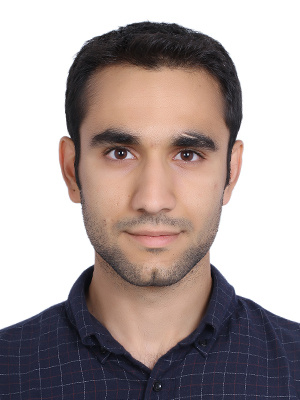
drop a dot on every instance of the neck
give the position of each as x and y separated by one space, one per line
149 321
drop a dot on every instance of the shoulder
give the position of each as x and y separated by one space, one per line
33 330
279 337
259 318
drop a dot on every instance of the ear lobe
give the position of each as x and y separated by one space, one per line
235 169
66 159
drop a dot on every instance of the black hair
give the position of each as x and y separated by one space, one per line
152 45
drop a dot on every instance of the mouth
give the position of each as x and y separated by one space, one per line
154 239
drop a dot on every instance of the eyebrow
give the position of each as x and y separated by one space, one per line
195 139
113 136
186 139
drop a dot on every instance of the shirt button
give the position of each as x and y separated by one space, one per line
102 350
157 386
203 342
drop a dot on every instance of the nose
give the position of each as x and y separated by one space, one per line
154 189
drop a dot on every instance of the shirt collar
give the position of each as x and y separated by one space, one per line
91 332
222 301
77 310
221 305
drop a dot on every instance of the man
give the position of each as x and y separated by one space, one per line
153 111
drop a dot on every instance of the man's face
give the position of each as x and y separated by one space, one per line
153 170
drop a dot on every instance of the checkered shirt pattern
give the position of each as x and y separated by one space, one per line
239 351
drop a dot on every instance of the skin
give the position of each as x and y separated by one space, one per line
151 204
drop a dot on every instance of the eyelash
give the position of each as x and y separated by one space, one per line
191 151
120 148
106 152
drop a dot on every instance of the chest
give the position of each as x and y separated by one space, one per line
228 371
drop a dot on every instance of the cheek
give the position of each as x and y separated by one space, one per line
202 205
202 189
103 194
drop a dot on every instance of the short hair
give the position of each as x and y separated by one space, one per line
152 45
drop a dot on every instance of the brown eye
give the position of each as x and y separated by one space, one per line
120 154
187 155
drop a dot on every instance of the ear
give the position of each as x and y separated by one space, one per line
235 169
66 159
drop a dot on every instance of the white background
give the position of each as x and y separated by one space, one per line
44 247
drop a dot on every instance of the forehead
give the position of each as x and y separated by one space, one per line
155 104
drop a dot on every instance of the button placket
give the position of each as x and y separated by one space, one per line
203 342
157 386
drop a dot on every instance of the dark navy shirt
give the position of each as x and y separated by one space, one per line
239 351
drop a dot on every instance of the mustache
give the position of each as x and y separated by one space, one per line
154 220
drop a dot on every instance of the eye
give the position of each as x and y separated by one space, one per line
188 155
120 154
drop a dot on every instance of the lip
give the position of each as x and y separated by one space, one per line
154 239
149 232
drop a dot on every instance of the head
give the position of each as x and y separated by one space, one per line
153 111
152 46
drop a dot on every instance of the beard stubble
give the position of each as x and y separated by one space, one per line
160 276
